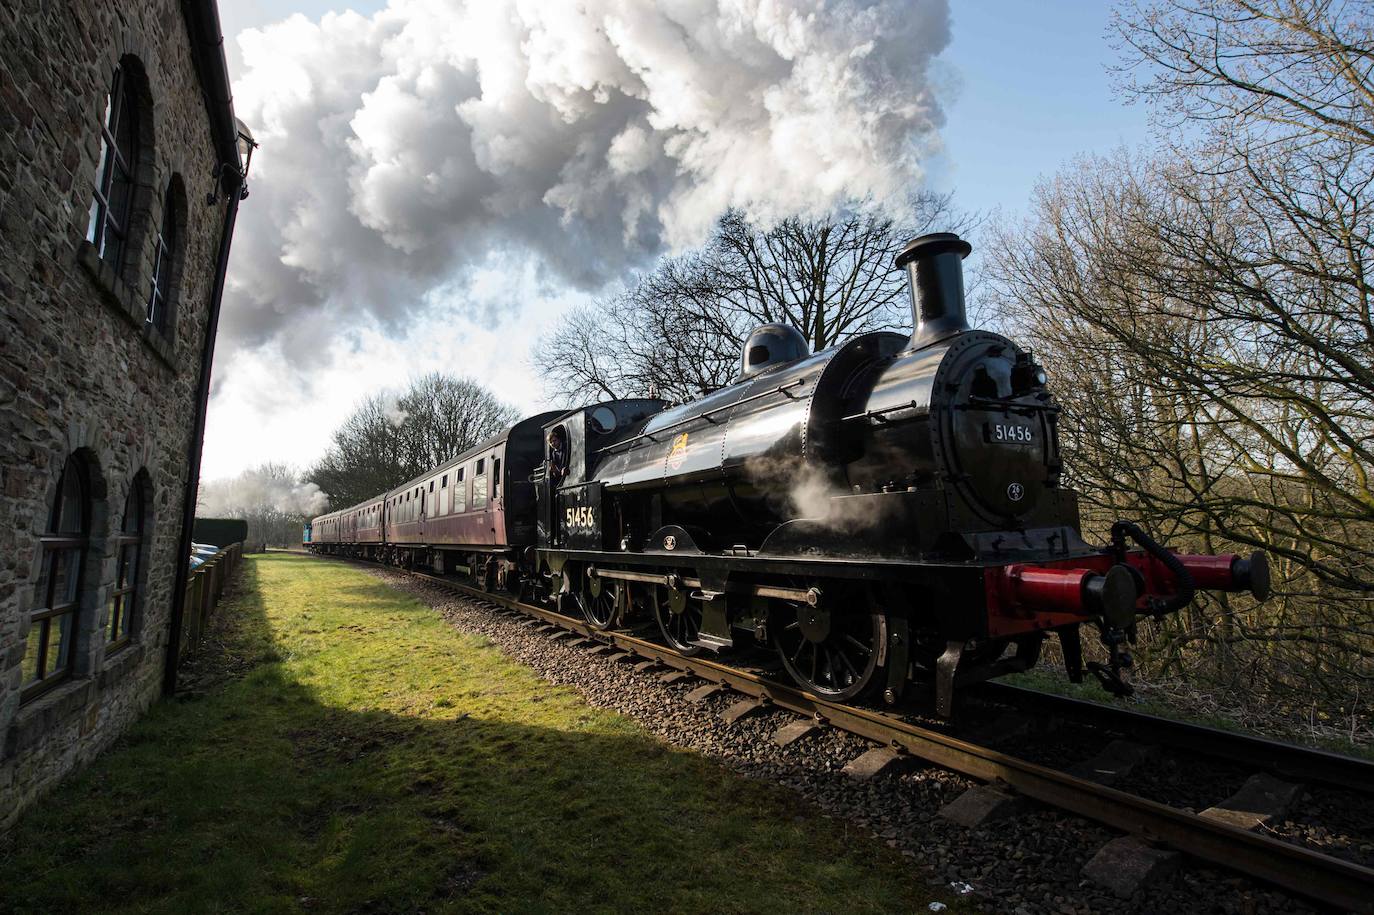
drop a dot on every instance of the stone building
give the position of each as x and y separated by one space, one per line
120 177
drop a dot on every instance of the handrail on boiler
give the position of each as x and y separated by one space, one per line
706 415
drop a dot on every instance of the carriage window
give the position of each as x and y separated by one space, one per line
496 478
479 485
431 486
445 482
460 493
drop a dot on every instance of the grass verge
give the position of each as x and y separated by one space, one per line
345 749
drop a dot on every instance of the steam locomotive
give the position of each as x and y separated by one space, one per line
884 513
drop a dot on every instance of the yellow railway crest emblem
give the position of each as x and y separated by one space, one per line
678 453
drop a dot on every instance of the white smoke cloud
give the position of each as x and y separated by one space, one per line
403 151
261 491
395 414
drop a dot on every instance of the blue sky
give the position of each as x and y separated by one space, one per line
1033 94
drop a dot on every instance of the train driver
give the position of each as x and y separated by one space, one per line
558 455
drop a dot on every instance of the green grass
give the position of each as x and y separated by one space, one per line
348 750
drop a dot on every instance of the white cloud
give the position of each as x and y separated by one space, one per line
400 150
405 152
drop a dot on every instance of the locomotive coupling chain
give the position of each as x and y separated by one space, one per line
1118 659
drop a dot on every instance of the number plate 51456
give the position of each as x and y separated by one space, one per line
1010 434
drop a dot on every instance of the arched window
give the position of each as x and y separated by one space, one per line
52 633
118 626
112 206
160 293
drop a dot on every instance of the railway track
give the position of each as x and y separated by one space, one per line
1326 879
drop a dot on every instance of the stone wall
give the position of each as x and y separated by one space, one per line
80 369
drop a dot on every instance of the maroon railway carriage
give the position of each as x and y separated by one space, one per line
471 515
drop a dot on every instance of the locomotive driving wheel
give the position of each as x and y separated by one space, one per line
603 602
828 652
679 619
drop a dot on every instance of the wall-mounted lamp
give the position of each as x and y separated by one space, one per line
246 144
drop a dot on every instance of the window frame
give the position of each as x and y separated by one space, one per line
129 557
103 215
159 302
53 543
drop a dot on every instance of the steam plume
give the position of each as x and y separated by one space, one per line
261 491
404 151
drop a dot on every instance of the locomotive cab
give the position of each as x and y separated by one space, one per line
571 513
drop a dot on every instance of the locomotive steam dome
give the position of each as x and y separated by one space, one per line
769 345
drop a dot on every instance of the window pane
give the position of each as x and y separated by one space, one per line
126 614
124 130
133 511
112 623
93 221
128 564
121 189
70 517
40 595
59 644
30 665
63 579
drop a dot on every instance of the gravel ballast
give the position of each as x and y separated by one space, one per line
1031 863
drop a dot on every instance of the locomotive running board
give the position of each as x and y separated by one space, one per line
810 596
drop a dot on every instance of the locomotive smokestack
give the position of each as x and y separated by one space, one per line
936 277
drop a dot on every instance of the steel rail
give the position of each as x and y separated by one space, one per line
1329 880
1305 763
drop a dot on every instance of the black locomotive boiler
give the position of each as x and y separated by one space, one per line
885 511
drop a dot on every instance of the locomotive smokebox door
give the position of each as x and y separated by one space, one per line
578 515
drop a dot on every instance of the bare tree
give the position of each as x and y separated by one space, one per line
390 438
1207 315
677 331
